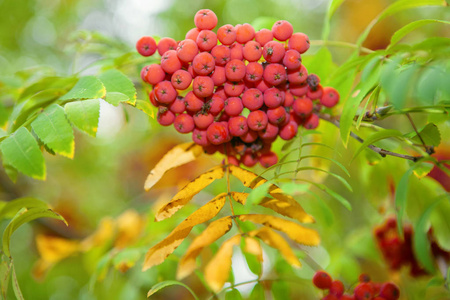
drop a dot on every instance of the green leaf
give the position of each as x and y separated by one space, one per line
334 4
46 83
233 294
11 172
115 98
257 292
423 169
258 193
340 178
127 257
421 243
84 115
167 283
401 85
253 263
330 192
321 63
25 216
21 151
392 9
146 107
52 127
430 135
280 290
10 209
15 284
402 32
5 272
377 136
116 82
353 102
401 193
87 87
263 22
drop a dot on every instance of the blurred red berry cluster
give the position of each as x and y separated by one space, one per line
398 252
365 290
244 88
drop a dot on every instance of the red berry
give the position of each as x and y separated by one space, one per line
203 86
252 99
264 36
276 115
257 120
205 19
178 106
268 159
184 123
330 97
233 106
311 122
218 76
187 50
363 291
322 280
270 132
235 70
236 51
364 278
298 90
221 55
273 51
244 33
250 136
330 297
292 60
192 34
226 34
217 133
273 97
203 63
203 120
249 159
206 40
337 288
216 104
181 79
389 291
165 93
347 297
298 75
165 117
275 74
146 46
238 126
288 131
166 44
303 107
282 30
155 74
299 41
193 103
254 72
199 137
252 51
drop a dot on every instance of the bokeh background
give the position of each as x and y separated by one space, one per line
104 182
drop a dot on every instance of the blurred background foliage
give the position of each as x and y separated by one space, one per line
100 192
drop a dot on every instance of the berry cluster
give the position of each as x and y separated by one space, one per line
365 290
246 87
399 252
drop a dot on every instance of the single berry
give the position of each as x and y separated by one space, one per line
226 34
363 291
166 44
244 33
206 40
187 50
330 97
322 280
264 36
184 123
181 79
337 288
282 30
389 291
299 41
146 46
273 52
205 19
155 74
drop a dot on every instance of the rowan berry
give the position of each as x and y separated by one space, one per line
181 79
268 159
275 74
234 89
252 51
347 297
311 122
363 278
252 99
233 106
233 160
292 60
250 136
205 19
315 94
155 74
151 97
244 33
330 297
184 123
226 34
303 107
206 40
322 280
263 85
257 120
238 126
165 44
236 51
165 117
263 36
216 104
165 93
273 97
193 34
187 50
203 86
298 75
199 137
330 97
221 55
253 72
299 41
249 159
220 91
288 99
219 76
288 131
270 132
203 63
193 103
282 30
146 46
178 105
217 133
337 288
235 70
363 291
389 291
298 89
273 51
276 115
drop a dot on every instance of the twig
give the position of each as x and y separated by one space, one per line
376 149
428 149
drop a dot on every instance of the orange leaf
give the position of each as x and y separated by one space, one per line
190 190
218 268
177 156
276 241
296 232
158 253
213 232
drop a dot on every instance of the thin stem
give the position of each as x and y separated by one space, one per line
428 149
340 44
229 190
376 149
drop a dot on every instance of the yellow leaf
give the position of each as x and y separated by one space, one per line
287 206
190 190
252 246
129 227
276 241
296 232
177 156
239 197
249 179
158 253
218 268
105 232
213 232
53 249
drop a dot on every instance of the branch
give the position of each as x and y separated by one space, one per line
376 149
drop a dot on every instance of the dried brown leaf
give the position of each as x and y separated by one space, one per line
158 253
214 231
177 156
188 192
